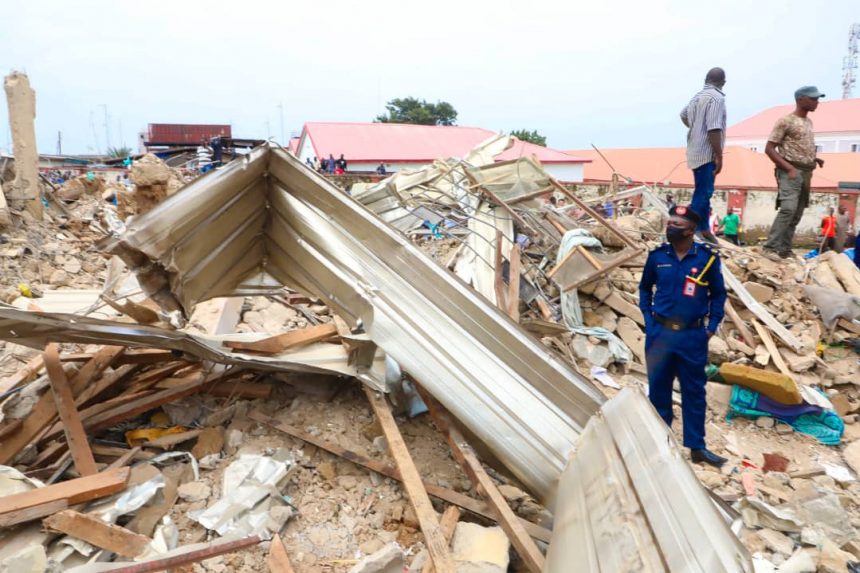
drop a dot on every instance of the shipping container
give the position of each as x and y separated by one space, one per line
184 133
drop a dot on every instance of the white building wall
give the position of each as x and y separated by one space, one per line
566 172
829 142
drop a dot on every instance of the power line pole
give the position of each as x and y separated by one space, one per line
849 62
107 127
59 143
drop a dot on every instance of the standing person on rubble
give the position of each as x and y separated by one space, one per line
330 164
791 147
731 224
705 118
689 289
843 228
828 231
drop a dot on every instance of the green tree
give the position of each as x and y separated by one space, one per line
531 136
421 112
118 152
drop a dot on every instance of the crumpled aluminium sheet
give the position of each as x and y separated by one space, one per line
36 329
629 501
248 484
269 214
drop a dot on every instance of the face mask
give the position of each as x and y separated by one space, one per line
675 234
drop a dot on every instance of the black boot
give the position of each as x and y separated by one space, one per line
707 456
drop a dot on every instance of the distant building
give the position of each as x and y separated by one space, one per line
836 124
402 146
182 134
746 183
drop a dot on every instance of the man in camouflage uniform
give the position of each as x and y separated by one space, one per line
791 146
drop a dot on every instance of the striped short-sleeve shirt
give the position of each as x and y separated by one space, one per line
705 112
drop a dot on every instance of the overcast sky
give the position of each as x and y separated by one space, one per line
610 73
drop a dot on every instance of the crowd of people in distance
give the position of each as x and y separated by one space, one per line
332 166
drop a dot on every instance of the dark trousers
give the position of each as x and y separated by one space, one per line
704 178
828 244
732 239
682 354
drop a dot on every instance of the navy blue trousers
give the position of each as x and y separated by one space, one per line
704 178
681 354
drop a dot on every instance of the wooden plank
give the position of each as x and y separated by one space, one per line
32 513
293 339
76 438
743 330
514 283
448 523
760 311
97 408
131 356
135 408
103 384
433 538
278 560
45 411
771 348
543 306
182 556
451 496
848 325
122 455
498 282
468 459
43 500
544 327
96 532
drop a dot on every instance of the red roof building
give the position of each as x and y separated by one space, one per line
836 124
406 146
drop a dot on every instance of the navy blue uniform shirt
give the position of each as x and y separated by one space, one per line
675 298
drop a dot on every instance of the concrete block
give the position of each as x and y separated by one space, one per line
480 549
774 385
760 292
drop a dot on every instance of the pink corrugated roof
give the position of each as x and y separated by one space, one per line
742 168
831 116
403 143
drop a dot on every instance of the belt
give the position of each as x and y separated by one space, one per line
677 324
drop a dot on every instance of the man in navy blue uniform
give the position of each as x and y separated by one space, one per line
680 317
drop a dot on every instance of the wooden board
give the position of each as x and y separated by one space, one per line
239 389
292 339
24 374
96 532
514 283
174 559
136 356
465 455
76 438
448 523
278 560
44 501
45 411
135 408
451 496
433 538
767 339
739 324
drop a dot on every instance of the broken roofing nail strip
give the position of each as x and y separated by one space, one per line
228 339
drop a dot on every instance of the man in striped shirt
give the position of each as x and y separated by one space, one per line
705 118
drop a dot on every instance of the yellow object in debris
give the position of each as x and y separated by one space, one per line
143 435
774 385
25 290
820 348
160 419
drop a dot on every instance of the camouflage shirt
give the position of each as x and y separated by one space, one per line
794 139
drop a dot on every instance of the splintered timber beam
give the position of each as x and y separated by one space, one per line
278 560
183 556
43 501
465 455
433 537
448 523
292 339
45 411
96 532
71 419
449 495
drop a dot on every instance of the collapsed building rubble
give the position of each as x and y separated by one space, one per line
367 303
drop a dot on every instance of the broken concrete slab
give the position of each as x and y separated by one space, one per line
478 549
760 292
24 192
389 559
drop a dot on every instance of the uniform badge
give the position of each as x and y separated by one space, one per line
681 210
689 287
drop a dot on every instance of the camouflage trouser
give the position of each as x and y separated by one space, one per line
791 200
